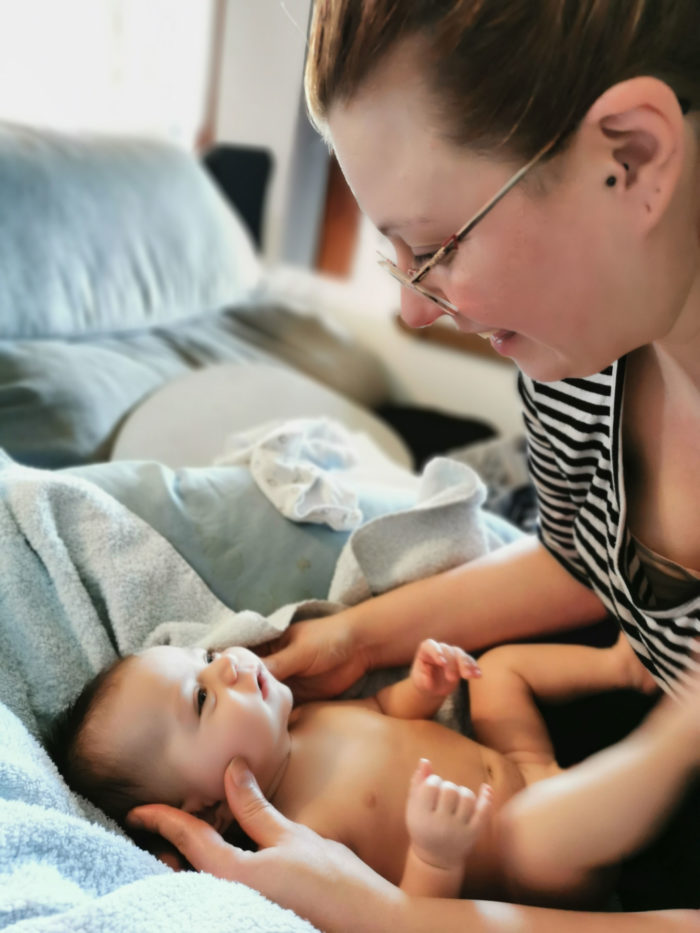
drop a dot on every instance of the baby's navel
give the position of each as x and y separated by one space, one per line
369 800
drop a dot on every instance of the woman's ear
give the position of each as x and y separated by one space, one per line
638 129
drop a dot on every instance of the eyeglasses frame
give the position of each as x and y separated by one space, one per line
412 278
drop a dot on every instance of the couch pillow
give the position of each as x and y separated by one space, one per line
100 234
249 555
62 400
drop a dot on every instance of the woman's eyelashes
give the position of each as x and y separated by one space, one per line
422 258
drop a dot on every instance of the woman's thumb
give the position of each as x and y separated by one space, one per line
253 812
281 663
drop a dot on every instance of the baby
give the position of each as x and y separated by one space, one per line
162 726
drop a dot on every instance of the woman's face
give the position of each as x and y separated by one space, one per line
558 276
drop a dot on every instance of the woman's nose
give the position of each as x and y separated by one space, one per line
417 311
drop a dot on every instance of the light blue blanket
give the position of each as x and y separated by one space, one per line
83 579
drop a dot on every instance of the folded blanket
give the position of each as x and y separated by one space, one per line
84 580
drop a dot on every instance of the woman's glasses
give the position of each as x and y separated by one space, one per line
412 277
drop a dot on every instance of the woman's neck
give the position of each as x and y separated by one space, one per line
677 354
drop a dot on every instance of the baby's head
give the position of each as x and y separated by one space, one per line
161 727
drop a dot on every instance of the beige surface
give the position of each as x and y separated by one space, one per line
186 422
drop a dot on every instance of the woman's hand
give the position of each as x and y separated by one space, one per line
318 658
319 879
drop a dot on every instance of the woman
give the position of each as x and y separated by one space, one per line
586 269
536 167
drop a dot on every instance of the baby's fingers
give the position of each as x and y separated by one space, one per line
432 652
468 667
423 770
482 807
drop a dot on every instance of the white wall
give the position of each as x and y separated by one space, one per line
260 103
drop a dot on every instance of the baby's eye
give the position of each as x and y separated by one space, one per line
209 655
201 699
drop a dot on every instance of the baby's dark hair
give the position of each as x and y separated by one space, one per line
106 778
70 742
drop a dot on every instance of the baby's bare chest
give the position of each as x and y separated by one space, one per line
354 770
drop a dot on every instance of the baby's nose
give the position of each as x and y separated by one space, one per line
224 668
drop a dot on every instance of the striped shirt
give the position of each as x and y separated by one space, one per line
575 459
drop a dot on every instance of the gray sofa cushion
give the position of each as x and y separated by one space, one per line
121 266
105 234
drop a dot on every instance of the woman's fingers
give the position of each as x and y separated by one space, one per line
201 844
198 842
284 660
255 815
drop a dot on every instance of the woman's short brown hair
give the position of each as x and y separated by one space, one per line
507 74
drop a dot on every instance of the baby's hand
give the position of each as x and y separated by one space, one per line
438 667
444 821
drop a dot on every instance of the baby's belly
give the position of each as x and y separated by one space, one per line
381 791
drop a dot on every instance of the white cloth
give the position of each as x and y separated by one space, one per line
295 464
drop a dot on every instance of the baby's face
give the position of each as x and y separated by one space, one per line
185 712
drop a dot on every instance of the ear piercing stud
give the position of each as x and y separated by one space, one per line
611 180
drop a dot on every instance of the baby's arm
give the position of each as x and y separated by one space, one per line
502 703
437 669
444 822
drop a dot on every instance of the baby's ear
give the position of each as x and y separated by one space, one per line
223 818
195 805
217 815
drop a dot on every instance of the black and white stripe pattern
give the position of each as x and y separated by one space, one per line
575 458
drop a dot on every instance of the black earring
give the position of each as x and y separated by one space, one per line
611 181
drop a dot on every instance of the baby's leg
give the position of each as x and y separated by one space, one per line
502 703
559 833
444 823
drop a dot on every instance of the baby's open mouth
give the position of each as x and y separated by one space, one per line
262 683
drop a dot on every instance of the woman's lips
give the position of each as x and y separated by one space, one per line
495 334
500 340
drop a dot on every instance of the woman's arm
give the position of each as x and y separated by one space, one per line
325 883
512 593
